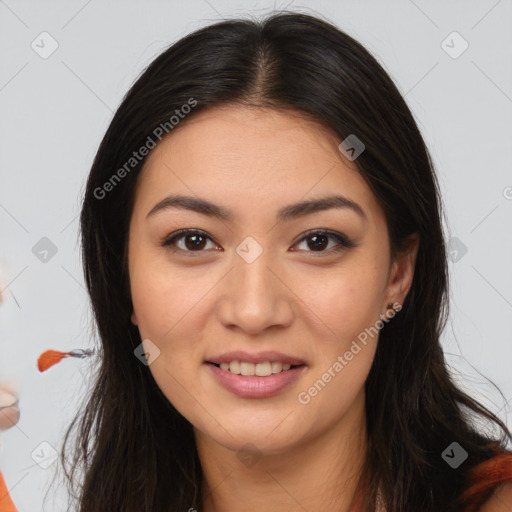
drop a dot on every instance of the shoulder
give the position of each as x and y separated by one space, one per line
500 500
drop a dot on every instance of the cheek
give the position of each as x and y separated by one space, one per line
349 304
166 308
347 300
169 305
162 295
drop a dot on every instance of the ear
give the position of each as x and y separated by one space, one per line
134 318
402 272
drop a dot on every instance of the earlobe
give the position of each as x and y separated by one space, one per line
134 318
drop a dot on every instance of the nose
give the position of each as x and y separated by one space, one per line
255 297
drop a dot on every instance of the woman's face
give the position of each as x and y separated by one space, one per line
260 278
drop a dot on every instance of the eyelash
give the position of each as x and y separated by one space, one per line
343 242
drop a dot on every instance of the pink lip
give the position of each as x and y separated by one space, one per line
252 386
259 357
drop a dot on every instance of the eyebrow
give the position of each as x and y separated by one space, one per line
286 213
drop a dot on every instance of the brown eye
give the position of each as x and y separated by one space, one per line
193 240
318 241
190 241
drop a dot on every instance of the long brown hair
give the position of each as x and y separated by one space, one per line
133 449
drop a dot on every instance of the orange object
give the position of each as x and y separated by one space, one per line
6 503
485 477
51 357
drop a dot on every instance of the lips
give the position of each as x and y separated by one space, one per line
253 386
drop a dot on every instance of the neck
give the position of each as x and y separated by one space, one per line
320 473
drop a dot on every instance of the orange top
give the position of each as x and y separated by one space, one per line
485 477
6 503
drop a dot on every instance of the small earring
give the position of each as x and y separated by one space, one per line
390 306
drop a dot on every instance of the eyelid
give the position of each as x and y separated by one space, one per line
343 241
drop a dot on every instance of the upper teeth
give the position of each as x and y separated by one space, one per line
259 369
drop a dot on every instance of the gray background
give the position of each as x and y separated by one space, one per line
55 110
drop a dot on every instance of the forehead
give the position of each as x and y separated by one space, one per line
251 157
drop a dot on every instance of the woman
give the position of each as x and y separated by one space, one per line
263 248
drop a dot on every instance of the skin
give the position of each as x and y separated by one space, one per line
295 299
9 410
501 499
